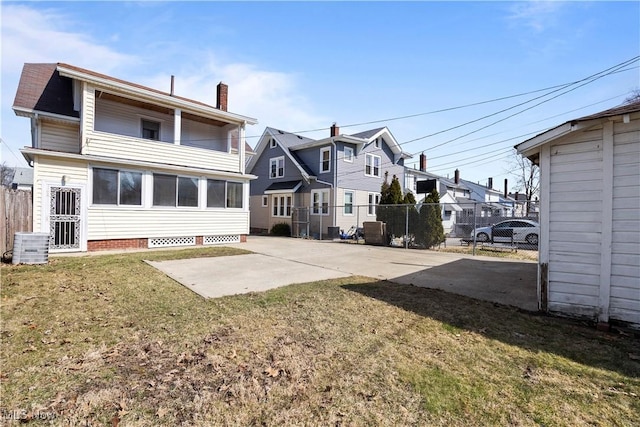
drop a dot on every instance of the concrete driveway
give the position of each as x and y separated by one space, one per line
281 261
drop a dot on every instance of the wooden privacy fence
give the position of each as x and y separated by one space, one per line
17 211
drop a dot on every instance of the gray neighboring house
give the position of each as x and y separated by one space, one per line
22 179
589 264
337 179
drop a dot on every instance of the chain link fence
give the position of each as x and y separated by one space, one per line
416 225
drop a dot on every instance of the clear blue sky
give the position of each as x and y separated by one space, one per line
303 66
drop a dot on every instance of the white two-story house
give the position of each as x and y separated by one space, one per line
120 165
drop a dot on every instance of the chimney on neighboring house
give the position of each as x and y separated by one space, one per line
506 189
172 81
222 96
490 183
423 162
335 130
456 176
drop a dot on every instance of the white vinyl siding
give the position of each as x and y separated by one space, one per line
575 204
47 170
202 135
60 137
125 148
119 223
625 247
122 119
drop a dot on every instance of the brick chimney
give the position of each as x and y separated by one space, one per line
490 183
423 162
335 130
222 96
456 176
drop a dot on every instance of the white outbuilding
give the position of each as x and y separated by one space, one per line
589 264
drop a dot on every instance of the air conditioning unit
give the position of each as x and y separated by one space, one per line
30 248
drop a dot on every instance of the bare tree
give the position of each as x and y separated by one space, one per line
634 96
6 174
527 177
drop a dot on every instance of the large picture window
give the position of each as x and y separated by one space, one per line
172 190
372 165
114 187
222 194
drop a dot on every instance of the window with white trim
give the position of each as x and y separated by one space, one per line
320 202
276 167
372 165
265 201
150 129
281 206
272 143
172 190
376 143
374 200
221 194
117 187
348 202
348 154
325 160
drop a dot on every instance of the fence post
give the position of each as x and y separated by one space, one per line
474 228
320 231
406 228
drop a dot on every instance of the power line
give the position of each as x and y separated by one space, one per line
515 137
588 80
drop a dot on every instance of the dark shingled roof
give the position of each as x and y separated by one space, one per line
367 133
284 185
41 88
631 107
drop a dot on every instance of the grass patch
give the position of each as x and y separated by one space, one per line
105 339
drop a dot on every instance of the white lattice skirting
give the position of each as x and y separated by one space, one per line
165 242
217 240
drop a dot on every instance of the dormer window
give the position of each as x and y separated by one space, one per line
150 129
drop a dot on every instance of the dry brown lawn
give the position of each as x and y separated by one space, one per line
108 340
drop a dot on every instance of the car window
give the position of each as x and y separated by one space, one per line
505 224
522 224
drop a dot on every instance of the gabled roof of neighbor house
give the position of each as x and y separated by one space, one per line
575 125
291 142
285 140
47 88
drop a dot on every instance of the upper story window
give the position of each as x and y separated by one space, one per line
325 159
150 129
115 187
376 143
372 165
276 167
348 154
272 143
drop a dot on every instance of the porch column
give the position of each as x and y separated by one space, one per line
241 151
177 126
